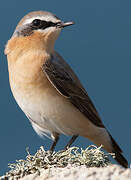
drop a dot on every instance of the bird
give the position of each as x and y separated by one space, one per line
46 88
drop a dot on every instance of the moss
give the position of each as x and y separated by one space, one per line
91 157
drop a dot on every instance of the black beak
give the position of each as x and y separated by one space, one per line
64 24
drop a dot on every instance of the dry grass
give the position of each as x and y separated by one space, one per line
91 157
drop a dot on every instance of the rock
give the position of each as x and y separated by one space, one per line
113 172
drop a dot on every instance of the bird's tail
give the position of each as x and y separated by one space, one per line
118 153
109 144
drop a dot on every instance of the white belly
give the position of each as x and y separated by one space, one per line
51 112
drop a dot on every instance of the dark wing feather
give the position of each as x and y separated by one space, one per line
67 86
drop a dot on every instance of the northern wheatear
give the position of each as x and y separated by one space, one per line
46 88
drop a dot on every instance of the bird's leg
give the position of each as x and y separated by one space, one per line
55 137
71 141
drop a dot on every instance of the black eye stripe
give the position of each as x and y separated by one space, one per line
40 24
36 24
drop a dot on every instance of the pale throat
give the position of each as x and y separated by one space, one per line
49 41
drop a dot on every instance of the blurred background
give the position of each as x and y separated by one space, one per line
98 48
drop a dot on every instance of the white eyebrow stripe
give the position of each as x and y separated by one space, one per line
44 18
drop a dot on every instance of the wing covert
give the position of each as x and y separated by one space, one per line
61 78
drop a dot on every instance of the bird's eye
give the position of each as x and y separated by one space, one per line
36 22
41 24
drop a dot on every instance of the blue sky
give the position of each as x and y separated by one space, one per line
98 48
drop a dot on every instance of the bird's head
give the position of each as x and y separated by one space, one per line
39 27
